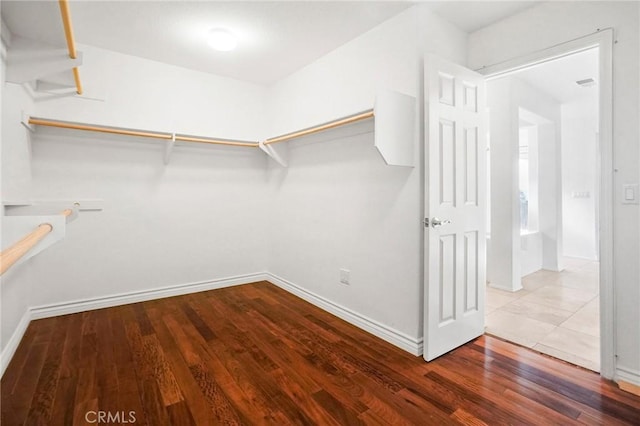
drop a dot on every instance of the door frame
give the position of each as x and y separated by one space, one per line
602 39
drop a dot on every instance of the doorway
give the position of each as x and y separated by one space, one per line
544 229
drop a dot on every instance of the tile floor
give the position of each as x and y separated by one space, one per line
557 313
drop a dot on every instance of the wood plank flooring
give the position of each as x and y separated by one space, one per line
255 354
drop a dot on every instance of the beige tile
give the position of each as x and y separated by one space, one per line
542 274
517 328
565 356
537 311
573 342
569 299
495 298
557 313
578 280
573 263
586 320
591 267
533 283
561 293
593 306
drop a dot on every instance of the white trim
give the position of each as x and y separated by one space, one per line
602 39
557 51
12 345
410 344
76 306
627 375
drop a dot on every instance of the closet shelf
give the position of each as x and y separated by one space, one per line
133 132
169 138
394 116
322 127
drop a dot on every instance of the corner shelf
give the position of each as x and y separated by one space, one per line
394 130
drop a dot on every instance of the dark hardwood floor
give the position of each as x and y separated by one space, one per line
255 354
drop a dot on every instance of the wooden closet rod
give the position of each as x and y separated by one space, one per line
71 44
326 126
11 255
215 141
141 133
101 129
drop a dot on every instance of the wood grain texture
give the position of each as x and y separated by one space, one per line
12 254
255 354
322 127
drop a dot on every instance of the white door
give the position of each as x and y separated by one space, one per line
455 210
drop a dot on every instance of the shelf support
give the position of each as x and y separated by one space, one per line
279 153
26 236
168 148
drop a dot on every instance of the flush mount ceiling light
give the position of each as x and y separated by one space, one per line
222 40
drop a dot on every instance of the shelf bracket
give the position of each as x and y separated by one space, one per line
168 148
16 227
25 122
278 152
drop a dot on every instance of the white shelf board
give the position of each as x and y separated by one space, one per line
395 128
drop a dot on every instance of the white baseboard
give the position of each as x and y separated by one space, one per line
395 337
76 306
627 375
11 346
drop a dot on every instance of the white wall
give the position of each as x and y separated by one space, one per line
202 216
551 23
128 91
15 286
346 80
16 156
511 258
193 220
338 205
503 261
579 177
341 206
196 219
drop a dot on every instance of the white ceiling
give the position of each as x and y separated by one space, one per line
470 16
276 38
558 78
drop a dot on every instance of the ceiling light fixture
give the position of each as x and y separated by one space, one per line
222 40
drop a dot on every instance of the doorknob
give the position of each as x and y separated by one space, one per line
435 222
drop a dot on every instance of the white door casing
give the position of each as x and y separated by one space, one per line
455 252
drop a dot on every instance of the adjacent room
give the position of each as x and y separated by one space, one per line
320 212
543 268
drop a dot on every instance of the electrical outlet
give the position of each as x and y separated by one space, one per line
344 276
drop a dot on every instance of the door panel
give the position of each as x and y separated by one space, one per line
455 249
